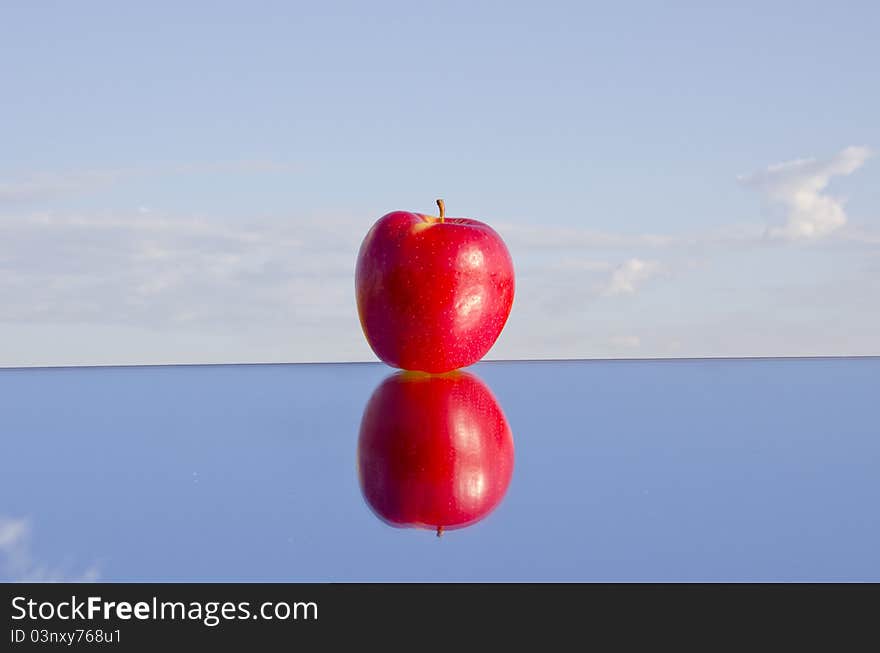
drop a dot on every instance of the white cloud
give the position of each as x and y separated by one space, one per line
12 531
629 275
40 186
797 188
17 563
626 342
578 265
152 270
45 185
163 288
538 237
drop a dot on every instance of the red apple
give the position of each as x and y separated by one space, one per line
434 452
433 293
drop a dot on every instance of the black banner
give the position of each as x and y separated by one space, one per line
125 617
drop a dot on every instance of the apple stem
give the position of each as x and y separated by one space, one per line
439 531
442 206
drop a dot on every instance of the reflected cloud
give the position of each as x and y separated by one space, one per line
434 451
17 562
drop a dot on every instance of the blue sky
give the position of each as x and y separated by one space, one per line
184 184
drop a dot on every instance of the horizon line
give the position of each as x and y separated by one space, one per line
654 359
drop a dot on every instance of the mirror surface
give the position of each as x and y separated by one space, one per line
624 471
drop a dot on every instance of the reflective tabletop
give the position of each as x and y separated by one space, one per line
698 470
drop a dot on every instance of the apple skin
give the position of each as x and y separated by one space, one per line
434 452
433 293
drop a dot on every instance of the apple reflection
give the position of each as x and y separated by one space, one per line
434 452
